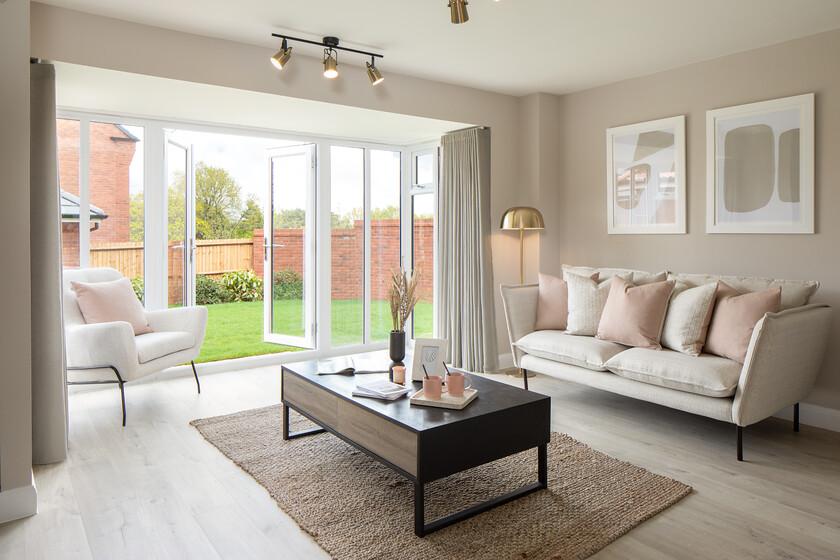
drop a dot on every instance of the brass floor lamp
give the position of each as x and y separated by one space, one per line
522 218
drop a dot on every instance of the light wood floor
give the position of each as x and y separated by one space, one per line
156 489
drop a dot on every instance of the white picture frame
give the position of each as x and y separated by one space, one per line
743 134
430 352
655 151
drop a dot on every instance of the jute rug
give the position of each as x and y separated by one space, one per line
357 509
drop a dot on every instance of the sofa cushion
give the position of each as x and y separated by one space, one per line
159 344
583 351
795 293
637 277
705 374
587 298
634 315
735 318
688 317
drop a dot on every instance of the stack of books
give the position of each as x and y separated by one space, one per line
380 389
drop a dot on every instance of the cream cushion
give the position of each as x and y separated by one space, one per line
586 352
707 375
633 315
108 302
587 298
794 292
687 320
637 277
156 345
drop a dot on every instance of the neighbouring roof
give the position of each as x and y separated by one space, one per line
70 205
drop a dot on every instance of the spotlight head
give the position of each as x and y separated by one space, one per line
281 57
458 11
374 75
330 64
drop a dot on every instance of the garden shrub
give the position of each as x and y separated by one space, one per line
209 291
138 285
243 285
287 285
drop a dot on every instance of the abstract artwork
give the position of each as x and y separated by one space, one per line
760 167
646 177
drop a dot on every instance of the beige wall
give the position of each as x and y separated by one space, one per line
575 204
75 37
15 375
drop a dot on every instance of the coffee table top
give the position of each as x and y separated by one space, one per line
492 395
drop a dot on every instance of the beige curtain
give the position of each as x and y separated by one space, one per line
466 316
49 390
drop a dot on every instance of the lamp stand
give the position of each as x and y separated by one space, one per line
519 372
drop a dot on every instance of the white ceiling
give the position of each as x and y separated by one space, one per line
113 92
510 46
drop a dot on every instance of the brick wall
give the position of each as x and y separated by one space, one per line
70 245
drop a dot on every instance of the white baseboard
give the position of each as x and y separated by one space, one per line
18 502
814 415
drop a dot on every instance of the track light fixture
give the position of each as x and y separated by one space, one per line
331 46
330 64
374 75
458 11
281 58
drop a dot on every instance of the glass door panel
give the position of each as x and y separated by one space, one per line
289 247
385 250
423 259
178 193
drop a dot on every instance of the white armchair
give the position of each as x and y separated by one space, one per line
111 353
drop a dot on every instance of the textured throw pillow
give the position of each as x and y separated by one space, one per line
587 298
104 302
633 315
688 317
735 317
553 303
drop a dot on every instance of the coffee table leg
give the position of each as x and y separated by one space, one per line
419 510
542 465
287 435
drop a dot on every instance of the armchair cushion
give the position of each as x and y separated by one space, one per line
105 302
156 345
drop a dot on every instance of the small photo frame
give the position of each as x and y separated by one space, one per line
430 352
646 177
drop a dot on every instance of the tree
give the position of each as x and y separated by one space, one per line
251 218
292 218
136 217
218 203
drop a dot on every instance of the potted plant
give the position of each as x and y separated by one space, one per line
403 298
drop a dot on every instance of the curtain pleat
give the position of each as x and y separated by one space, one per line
466 316
49 390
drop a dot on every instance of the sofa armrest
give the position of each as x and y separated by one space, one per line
189 319
783 360
102 344
520 305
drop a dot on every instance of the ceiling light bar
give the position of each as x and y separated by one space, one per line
330 44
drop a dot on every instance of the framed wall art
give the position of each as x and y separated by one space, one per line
760 167
646 177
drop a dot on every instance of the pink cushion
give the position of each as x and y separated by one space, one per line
553 303
634 315
735 317
105 302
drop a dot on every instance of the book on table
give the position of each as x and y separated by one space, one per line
380 389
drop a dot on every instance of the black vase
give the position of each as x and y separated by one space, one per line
397 346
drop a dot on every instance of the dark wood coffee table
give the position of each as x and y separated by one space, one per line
421 443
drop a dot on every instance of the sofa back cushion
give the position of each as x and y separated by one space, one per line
735 317
633 315
637 277
587 298
105 302
688 317
795 293
552 305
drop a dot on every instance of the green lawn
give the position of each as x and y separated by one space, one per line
235 330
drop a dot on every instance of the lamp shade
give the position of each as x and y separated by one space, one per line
522 217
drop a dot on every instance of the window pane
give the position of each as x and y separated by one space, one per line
347 178
176 212
423 258
68 184
384 236
424 169
115 179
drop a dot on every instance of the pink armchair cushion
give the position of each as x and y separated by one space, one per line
735 317
105 302
634 315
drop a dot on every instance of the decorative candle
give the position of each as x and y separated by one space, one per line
399 374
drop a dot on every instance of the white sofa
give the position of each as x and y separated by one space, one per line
111 353
782 362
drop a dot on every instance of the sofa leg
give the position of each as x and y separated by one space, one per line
740 443
796 417
195 373
525 378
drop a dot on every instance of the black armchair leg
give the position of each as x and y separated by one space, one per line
122 398
740 443
118 380
195 373
525 378
796 417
